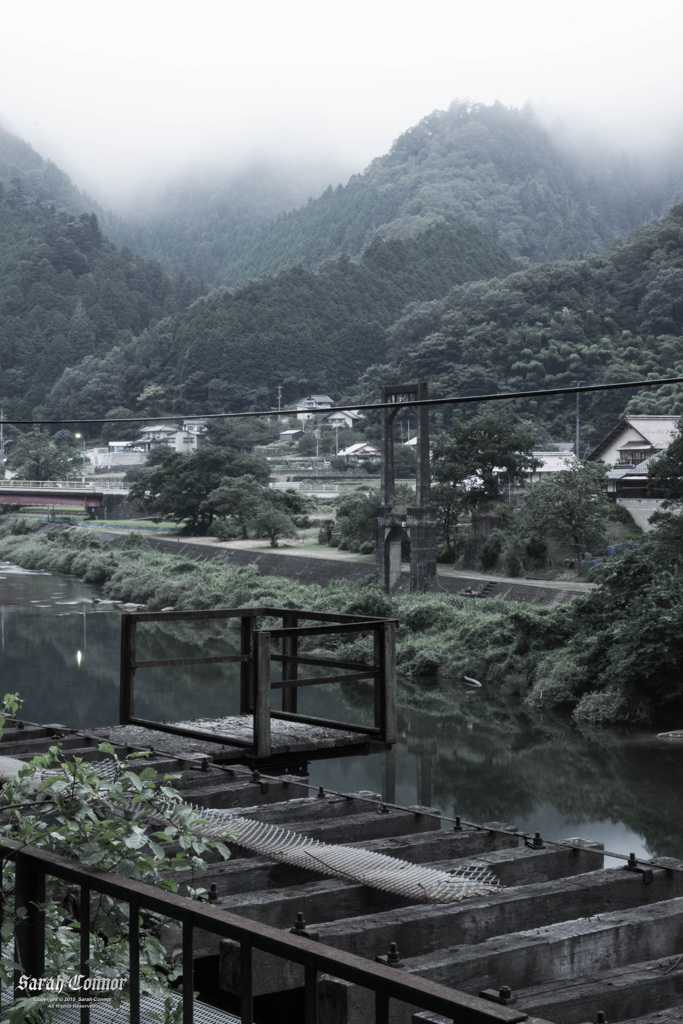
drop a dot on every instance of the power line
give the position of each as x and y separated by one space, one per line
369 406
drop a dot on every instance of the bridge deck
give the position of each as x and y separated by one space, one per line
51 492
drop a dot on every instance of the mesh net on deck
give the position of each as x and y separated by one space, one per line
378 870
413 881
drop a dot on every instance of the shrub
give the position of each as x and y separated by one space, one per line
131 824
601 708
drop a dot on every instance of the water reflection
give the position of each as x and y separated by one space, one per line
458 750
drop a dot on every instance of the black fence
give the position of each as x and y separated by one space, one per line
260 648
33 866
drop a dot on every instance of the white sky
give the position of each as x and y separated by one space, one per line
121 93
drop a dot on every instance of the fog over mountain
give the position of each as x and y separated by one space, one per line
131 96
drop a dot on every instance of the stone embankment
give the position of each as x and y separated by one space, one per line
565 940
322 565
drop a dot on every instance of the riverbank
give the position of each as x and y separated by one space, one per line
583 654
442 636
317 565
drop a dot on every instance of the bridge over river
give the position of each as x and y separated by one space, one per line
69 493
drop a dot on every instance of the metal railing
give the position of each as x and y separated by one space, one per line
46 485
33 866
256 658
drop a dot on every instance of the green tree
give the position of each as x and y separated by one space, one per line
473 466
357 516
241 434
273 522
35 456
181 486
126 822
307 445
481 456
240 499
665 480
570 505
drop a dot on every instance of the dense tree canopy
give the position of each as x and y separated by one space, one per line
491 167
183 487
590 320
65 294
300 330
37 456
571 506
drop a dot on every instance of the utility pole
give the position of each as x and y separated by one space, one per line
577 384
279 397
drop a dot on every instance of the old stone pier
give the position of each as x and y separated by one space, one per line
561 938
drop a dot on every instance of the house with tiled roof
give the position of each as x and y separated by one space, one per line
635 439
361 451
310 407
629 450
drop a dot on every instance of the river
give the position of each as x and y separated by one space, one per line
469 754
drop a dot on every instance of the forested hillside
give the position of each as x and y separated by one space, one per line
203 223
609 318
405 273
66 292
489 166
306 331
25 172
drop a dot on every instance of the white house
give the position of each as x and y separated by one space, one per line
634 439
630 449
361 451
311 406
342 418
187 438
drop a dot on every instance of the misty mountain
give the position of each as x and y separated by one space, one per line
40 180
488 166
203 223
617 316
66 292
304 330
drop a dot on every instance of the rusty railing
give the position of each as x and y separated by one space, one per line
260 648
34 865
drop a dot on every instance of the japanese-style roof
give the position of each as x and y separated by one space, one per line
363 448
637 469
658 431
159 427
318 399
553 462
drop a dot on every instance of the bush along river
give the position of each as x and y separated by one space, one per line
459 749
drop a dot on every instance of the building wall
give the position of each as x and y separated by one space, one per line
611 454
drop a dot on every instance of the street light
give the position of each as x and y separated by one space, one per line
4 441
82 456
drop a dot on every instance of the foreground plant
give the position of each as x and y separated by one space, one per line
125 821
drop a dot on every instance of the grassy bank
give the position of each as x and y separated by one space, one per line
561 655
439 634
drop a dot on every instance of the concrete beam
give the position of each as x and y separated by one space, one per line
560 952
335 899
446 844
358 828
487 931
639 988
